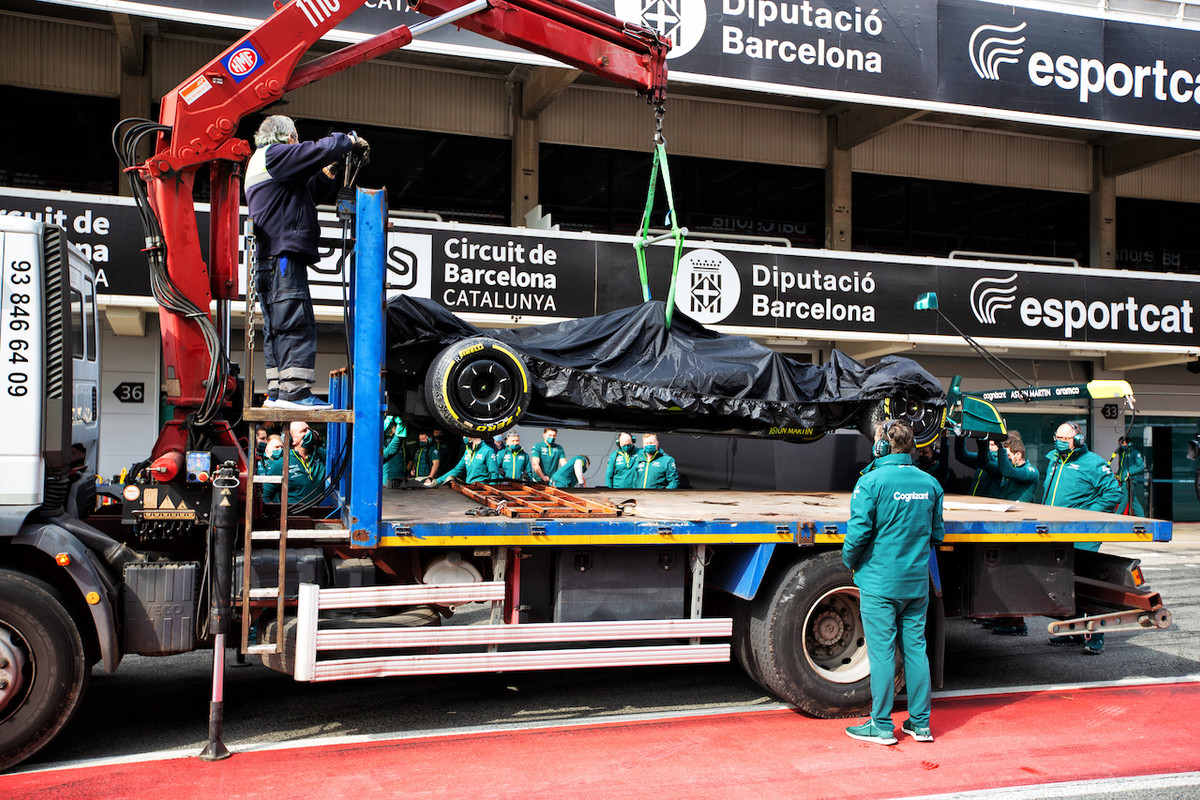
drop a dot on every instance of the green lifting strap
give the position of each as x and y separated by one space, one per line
676 233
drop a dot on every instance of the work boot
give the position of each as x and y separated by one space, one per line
1065 641
1095 645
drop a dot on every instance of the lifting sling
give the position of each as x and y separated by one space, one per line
676 233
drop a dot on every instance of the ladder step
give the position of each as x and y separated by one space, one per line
412 594
305 534
370 638
268 479
257 649
265 592
459 663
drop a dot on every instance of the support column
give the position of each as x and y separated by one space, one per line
135 98
526 137
837 190
1102 214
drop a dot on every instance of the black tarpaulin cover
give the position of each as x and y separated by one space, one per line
628 360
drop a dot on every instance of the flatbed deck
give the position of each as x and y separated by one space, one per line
440 516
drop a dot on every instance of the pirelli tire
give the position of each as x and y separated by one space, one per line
44 667
806 639
478 387
927 417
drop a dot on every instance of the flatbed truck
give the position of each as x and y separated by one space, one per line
400 582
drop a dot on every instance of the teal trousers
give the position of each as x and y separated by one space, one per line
890 623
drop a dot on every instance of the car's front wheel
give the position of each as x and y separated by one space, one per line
926 417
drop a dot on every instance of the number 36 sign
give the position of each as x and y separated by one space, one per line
130 392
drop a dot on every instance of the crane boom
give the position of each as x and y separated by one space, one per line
199 119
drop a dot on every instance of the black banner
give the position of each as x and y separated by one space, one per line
964 55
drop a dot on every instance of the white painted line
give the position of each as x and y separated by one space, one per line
1133 786
1059 687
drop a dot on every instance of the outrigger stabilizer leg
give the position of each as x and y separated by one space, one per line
224 524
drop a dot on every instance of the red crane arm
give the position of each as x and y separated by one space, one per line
202 114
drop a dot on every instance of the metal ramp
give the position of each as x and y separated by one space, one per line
522 500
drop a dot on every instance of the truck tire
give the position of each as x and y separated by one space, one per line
926 418
807 639
477 386
46 672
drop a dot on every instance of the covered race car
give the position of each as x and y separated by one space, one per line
627 370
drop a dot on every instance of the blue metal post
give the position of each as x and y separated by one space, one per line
367 371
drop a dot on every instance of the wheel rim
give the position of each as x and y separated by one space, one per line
833 643
13 661
925 418
484 389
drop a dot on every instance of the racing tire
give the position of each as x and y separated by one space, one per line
46 668
807 639
926 418
478 386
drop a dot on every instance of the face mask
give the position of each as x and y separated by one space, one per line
650 449
627 448
549 440
1121 448
276 454
260 448
514 448
1061 446
466 441
307 441
881 448
423 442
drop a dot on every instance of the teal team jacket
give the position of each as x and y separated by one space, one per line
895 520
477 465
621 472
1019 484
1080 479
655 472
514 466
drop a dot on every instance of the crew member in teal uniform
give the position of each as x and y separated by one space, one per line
1078 478
571 473
621 472
547 456
306 468
426 459
895 521
514 461
477 465
1130 472
984 481
654 468
395 460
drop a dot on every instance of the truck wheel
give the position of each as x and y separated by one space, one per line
926 418
43 666
807 639
477 386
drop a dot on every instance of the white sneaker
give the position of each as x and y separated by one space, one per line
310 403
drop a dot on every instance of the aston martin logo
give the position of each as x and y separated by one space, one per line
993 45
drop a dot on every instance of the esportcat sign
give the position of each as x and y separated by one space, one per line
1078 67
516 275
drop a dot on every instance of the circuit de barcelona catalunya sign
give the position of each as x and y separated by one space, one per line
966 56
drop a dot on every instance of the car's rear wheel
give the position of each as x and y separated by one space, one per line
478 386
